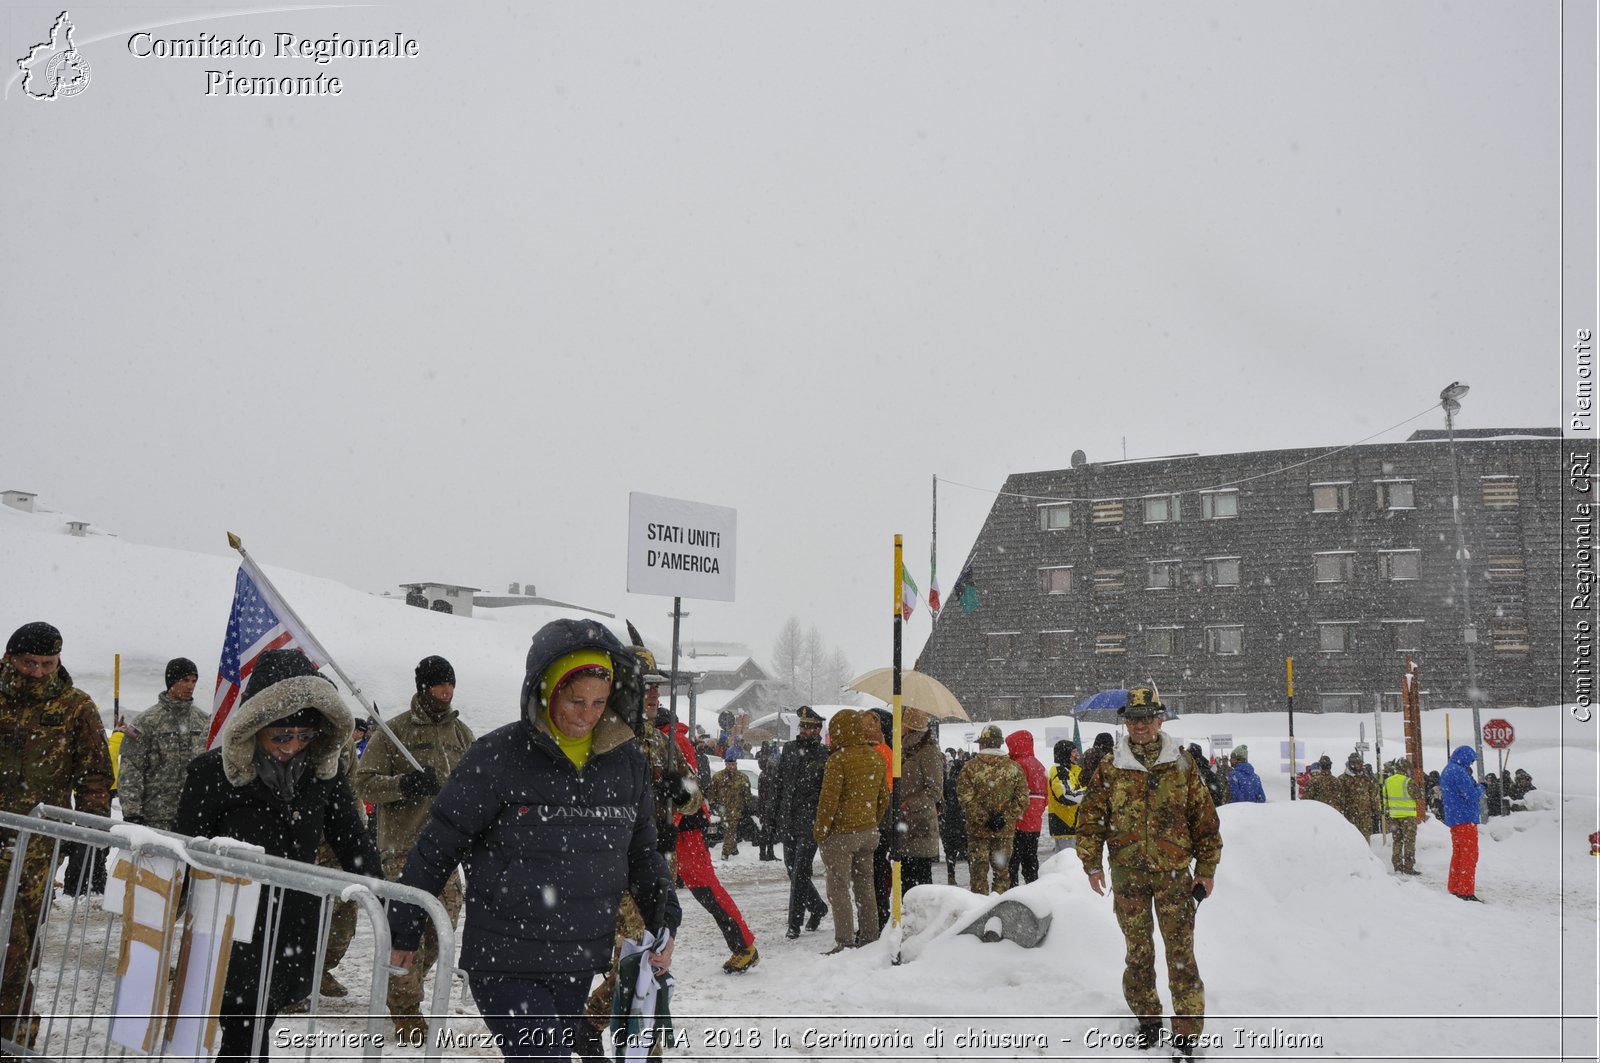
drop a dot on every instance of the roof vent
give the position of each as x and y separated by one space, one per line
1079 458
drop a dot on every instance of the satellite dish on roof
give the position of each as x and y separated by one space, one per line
1079 458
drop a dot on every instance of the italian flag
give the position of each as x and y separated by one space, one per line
933 587
908 593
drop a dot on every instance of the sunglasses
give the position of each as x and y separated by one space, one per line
292 736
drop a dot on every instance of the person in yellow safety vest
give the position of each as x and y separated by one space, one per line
1400 801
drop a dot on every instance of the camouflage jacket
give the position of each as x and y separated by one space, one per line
435 735
730 792
52 744
991 782
155 759
1152 818
667 762
1357 797
1322 786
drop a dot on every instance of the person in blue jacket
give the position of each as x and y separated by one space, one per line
553 818
1461 794
1243 782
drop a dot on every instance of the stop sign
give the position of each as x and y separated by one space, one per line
1498 734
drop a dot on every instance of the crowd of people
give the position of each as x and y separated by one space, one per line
570 829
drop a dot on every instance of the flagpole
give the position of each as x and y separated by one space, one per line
935 604
896 847
366 703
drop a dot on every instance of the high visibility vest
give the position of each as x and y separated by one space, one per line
1397 800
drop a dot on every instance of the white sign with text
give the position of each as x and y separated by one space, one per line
680 549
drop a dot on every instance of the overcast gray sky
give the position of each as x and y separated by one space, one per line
790 258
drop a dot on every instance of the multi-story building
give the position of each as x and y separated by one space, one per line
1204 573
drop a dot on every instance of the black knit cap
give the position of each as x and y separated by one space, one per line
180 668
274 666
37 638
431 671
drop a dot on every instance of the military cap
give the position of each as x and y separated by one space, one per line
1143 704
38 638
809 717
1326 762
990 737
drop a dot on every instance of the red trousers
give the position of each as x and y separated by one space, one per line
694 867
1463 859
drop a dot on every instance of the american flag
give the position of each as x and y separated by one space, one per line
259 621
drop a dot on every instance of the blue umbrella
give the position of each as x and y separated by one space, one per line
1106 699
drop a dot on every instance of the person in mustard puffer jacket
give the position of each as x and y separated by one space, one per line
854 799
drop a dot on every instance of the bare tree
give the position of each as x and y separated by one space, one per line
788 653
816 662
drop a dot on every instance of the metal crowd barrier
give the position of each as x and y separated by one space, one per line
87 961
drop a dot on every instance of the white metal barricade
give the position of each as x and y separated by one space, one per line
139 973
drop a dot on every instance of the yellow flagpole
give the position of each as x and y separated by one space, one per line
894 793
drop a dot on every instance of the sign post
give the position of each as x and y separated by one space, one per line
680 549
1498 734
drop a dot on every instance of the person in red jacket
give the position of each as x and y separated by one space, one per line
1025 843
700 876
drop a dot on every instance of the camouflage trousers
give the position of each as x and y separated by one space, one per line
1404 856
730 834
405 991
986 852
1134 893
16 982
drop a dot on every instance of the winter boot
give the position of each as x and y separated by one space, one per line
410 1028
332 987
1183 1046
742 960
296 1007
816 918
1149 1035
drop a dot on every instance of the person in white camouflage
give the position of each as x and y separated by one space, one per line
1148 805
160 743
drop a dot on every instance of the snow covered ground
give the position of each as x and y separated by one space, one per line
1310 948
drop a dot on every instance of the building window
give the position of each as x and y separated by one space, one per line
1335 566
1405 636
1400 564
1340 702
1055 517
1222 571
1162 575
1001 708
1003 644
1055 579
1336 636
1504 570
1230 703
1054 645
1219 505
1330 498
1110 644
1510 640
1397 494
1501 492
1109 581
1160 641
1159 509
1225 641
1109 512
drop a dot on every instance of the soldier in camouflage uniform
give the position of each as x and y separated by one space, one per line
1357 797
160 743
52 751
1148 805
730 792
993 793
1321 785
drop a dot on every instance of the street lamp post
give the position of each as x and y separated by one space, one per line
1450 399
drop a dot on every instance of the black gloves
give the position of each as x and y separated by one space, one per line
996 821
697 821
137 821
424 783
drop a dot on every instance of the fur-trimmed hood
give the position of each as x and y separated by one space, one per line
284 698
1124 758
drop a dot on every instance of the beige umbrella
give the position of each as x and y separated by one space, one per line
917 690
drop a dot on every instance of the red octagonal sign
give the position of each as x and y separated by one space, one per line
1498 734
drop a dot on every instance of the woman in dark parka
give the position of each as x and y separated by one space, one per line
277 779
